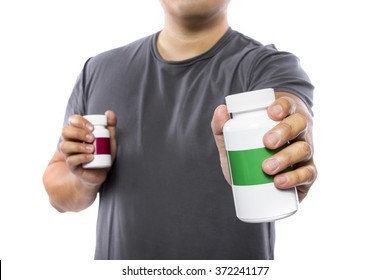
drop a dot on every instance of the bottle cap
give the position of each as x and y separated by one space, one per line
250 100
97 119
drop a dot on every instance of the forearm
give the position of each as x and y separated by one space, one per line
66 191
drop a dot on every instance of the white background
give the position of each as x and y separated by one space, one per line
341 229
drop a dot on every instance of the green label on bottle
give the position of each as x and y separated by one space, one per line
246 166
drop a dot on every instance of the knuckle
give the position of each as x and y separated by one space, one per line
314 173
306 149
74 161
80 135
302 120
64 131
62 146
74 120
293 126
70 162
287 128
288 104
307 175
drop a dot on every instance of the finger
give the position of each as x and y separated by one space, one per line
70 148
303 176
76 160
288 129
80 122
71 133
299 151
281 108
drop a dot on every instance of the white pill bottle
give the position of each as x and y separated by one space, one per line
102 154
256 198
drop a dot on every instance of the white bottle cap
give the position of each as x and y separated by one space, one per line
250 100
97 119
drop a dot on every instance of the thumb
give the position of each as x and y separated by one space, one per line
111 126
111 118
220 117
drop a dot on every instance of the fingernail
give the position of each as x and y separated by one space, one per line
276 110
70 120
89 127
89 148
272 138
89 157
271 164
280 180
89 137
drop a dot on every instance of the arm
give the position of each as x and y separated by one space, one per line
295 126
69 186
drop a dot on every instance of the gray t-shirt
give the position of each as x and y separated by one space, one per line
165 196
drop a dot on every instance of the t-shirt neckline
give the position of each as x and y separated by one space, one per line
206 55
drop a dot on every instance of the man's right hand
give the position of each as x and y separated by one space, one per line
77 148
71 187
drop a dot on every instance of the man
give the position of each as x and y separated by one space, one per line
165 196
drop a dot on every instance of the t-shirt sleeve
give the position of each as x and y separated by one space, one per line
77 100
282 72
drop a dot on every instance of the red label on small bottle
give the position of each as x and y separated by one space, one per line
102 146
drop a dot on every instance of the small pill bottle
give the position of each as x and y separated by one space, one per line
102 154
256 198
